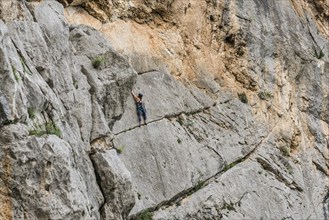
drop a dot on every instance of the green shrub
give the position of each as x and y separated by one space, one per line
145 215
119 149
15 74
37 132
243 97
229 206
75 84
199 185
31 112
229 166
265 95
285 151
179 140
318 54
98 62
50 128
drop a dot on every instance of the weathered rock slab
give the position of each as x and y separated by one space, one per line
115 182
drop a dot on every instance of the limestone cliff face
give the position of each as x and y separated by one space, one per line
237 103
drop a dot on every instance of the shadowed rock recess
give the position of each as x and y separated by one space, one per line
237 98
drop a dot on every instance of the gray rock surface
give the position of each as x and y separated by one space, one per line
237 102
51 111
163 97
164 161
46 177
115 182
237 193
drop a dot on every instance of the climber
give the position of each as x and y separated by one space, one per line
141 111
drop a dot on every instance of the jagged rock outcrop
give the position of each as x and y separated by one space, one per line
54 103
115 181
237 102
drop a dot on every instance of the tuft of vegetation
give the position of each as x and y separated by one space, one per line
75 84
98 61
31 111
145 215
243 97
199 185
25 67
15 74
318 54
179 140
50 128
229 166
119 149
37 132
265 95
285 151
229 206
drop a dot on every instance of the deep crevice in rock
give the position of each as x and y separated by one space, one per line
201 184
148 71
98 181
169 117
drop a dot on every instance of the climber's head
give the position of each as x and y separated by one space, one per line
140 95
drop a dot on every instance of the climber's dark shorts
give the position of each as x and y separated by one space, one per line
141 113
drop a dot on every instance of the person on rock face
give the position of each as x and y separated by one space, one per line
141 111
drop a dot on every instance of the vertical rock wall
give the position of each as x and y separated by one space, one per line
237 103
54 104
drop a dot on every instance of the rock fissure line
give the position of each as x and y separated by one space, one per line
320 168
22 57
31 12
98 181
207 146
185 193
243 18
267 166
321 153
148 71
309 30
170 116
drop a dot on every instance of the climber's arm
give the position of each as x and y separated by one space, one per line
135 97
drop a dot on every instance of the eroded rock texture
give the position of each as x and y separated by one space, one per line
237 103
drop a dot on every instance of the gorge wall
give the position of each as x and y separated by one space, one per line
237 102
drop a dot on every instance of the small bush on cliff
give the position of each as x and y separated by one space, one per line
50 128
285 150
15 74
98 62
318 54
243 97
31 112
265 95
145 215
119 149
